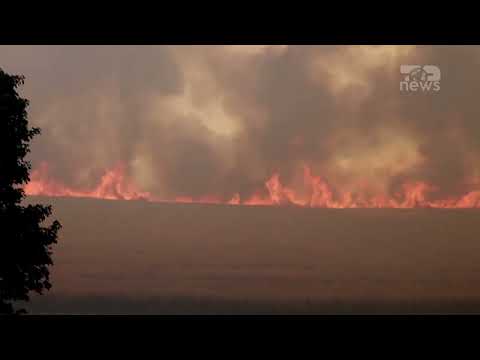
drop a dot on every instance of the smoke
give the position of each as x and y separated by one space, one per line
198 120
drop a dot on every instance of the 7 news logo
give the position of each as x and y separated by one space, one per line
423 78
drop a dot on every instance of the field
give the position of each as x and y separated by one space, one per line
137 257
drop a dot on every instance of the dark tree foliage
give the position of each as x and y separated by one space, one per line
25 244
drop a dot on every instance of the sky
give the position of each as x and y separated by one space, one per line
265 124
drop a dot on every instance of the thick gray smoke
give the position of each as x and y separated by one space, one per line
197 120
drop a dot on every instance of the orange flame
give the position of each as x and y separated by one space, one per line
115 185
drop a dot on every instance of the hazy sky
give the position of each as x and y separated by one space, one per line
196 120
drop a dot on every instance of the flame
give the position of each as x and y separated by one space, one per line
113 185
316 192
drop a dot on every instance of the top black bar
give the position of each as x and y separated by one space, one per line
344 26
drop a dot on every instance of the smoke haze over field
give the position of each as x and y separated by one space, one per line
132 257
191 121
312 126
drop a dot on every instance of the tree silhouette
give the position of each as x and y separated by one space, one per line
25 245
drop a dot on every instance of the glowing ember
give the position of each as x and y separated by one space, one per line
115 185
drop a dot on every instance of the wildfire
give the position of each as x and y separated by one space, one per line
113 185
316 192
